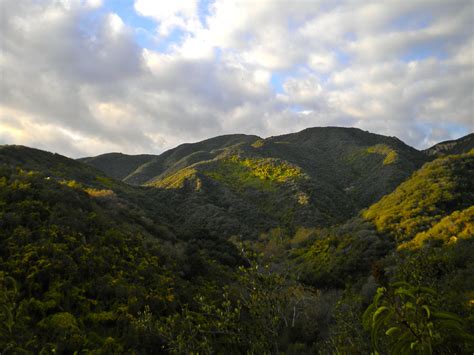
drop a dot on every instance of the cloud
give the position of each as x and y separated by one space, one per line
170 15
75 80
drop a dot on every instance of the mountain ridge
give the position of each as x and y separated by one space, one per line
153 165
222 180
455 146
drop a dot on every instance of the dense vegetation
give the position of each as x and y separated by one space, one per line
239 245
442 187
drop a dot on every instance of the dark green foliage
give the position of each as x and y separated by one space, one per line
338 255
212 327
52 165
71 277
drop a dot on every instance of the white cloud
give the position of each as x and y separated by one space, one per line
303 90
180 14
263 67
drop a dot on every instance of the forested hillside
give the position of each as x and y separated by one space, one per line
325 241
319 176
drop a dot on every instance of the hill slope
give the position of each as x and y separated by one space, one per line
118 165
441 188
457 146
184 156
79 263
318 176
123 200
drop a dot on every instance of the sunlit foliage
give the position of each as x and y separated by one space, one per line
391 156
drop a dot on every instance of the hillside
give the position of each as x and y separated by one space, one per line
51 163
118 165
419 237
319 176
123 200
349 159
265 246
362 165
434 207
441 188
458 146
185 155
75 267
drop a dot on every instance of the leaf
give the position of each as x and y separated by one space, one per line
392 331
377 324
402 342
427 309
447 315
380 293
402 291
378 312
366 317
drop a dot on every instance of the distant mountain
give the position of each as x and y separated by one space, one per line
457 146
316 177
338 172
185 155
118 165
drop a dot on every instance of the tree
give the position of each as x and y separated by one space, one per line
406 319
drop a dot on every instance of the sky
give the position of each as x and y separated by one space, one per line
86 77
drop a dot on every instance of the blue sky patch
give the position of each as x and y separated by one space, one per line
277 80
424 51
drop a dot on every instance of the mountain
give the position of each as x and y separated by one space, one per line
361 165
458 146
185 155
239 244
315 177
118 165
139 169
